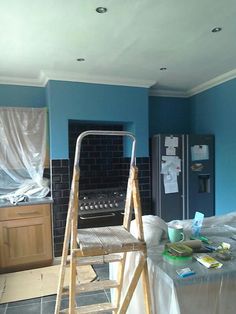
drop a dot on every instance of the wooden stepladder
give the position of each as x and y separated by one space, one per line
103 245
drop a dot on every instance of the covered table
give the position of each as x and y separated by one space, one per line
209 291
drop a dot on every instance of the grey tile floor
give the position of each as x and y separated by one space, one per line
46 305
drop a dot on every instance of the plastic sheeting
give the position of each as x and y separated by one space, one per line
23 133
209 291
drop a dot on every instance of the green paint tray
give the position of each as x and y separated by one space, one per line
176 260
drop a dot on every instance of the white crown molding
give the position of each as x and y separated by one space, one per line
42 78
45 76
196 90
212 83
74 77
167 93
36 82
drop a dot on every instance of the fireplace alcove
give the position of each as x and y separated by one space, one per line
110 170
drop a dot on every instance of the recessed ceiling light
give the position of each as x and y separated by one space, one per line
216 29
80 59
163 69
101 10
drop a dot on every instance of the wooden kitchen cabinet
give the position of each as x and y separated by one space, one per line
25 237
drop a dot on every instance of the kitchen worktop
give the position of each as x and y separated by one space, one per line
32 201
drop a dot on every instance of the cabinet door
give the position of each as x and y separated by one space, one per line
25 241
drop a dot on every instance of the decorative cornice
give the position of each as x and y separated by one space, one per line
196 90
167 93
45 76
212 83
37 82
74 77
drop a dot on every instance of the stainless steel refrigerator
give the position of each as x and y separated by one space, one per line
183 179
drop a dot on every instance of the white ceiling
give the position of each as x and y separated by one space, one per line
128 45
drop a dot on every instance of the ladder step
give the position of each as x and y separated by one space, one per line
92 260
93 308
92 286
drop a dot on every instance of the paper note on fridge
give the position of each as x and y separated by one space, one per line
171 141
170 183
171 151
200 152
170 164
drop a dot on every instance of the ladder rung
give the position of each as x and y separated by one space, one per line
92 260
141 246
93 286
93 308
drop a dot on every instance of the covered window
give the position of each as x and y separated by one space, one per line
23 141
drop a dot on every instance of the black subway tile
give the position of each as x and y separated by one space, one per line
57 194
65 162
62 200
59 232
59 170
144 173
56 163
56 178
61 186
65 178
65 193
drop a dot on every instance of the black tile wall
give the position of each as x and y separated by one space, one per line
60 194
144 177
100 156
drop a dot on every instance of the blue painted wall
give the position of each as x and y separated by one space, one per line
95 102
22 96
169 115
214 111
